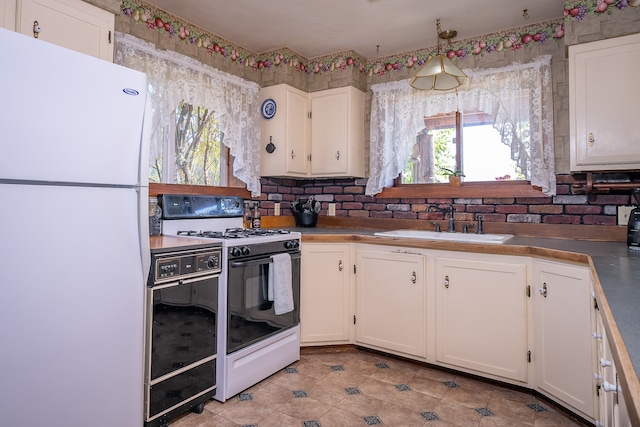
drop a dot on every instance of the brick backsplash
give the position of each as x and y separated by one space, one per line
348 195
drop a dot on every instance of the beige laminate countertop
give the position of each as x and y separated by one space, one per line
616 284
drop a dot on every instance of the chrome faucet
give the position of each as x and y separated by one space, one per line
479 230
447 210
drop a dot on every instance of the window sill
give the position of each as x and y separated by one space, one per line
156 188
466 190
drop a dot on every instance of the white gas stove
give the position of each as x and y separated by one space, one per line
253 342
215 217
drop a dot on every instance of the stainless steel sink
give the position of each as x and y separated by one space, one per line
449 237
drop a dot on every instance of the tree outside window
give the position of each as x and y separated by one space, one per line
195 152
480 154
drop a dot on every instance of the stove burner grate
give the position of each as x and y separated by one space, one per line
233 233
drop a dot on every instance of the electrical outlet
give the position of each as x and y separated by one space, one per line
332 209
276 209
623 214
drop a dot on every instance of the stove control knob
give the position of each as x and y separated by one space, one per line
236 251
291 244
212 262
245 250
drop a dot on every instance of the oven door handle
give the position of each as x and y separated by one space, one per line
261 261
179 282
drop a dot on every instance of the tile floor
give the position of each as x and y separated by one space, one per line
354 387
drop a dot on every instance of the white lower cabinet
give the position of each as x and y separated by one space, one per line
564 345
390 300
482 315
518 319
326 294
612 411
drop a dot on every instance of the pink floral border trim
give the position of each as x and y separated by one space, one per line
579 9
157 20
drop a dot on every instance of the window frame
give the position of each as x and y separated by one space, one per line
453 119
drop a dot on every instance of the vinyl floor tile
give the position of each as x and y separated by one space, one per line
353 388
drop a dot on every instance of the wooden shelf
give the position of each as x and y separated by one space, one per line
591 188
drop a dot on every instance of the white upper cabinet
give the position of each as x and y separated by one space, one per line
73 24
8 14
337 132
312 135
284 131
603 102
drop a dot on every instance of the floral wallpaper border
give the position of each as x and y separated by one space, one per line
157 20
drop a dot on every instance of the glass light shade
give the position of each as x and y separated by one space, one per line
438 73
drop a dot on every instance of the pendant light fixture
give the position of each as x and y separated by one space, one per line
439 73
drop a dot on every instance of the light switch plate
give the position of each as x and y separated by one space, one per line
623 214
332 209
276 209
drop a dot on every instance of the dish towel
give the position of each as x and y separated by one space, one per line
280 290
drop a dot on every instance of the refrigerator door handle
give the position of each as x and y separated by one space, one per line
143 227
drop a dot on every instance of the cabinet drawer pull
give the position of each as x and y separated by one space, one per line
446 282
293 154
414 278
340 265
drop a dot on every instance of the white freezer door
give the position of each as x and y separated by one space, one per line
68 117
71 318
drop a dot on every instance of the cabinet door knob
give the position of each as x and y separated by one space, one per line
293 154
543 290
340 265
446 282
337 155
414 278
608 387
591 139
36 29
604 362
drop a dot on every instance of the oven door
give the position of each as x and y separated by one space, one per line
181 342
250 314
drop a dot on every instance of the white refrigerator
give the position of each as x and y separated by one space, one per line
74 242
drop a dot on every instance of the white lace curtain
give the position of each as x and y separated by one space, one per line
518 93
174 78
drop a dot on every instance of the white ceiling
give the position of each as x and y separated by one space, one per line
314 28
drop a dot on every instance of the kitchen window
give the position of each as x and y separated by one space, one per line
180 84
192 152
460 141
509 107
